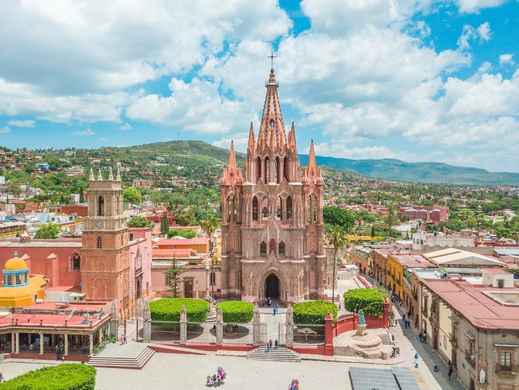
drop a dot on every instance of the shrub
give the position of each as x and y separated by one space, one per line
371 300
168 309
61 377
181 233
139 222
236 312
313 312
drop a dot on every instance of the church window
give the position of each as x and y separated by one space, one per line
272 246
272 123
265 212
280 208
100 206
313 209
267 170
289 208
258 169
285 169
230 208
99 243
278 170
281 249
76 262
263 249
255 209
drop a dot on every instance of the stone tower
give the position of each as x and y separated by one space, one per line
272 222
104 253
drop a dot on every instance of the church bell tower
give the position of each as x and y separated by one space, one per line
105 254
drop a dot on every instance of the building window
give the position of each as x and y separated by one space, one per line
100 206
131 236
279 205
99 242
76 262
281 249
263 249
505 359
285 169
255 209
267 170
265 212
278 170
258 169
289 208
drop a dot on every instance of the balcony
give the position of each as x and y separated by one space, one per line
507 370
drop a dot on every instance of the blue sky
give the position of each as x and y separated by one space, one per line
418 80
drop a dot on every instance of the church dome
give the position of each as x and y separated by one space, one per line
15 264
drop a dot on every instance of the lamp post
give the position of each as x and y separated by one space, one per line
212 278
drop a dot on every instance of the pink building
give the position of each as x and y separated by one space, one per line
426 214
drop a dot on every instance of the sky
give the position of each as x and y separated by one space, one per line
416 80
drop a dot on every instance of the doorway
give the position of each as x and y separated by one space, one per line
272 289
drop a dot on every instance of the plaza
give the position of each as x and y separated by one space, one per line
179 371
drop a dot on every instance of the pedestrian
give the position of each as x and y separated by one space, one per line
1 377
266 347
450 371
270 344
416 359
275 343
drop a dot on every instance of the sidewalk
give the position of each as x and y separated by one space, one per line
428 357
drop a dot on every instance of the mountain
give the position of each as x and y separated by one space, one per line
427 172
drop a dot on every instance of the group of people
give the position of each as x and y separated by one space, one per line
216 379
269 345
294 385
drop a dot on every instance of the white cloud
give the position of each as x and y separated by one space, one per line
482 34
21 123
125 127
473 6
506 59
5 130
86 132
347 151
196 106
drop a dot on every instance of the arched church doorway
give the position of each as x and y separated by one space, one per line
272 288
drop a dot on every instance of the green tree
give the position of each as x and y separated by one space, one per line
337 238
139 221
343 218
172 275
164 225
132 195
47 231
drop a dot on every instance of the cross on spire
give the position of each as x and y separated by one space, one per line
272 56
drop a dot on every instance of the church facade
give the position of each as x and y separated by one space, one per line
272 217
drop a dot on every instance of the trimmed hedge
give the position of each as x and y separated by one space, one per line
236 312
371 300
313 312
61 377
168 309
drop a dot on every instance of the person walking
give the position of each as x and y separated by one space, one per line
450 370
416 360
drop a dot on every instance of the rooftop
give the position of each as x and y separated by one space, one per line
460 256
58 243
478 304
412 261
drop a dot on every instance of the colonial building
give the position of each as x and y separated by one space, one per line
272 220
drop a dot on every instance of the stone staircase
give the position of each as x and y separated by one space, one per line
138 361
279 354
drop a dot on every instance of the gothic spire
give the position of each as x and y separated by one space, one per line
312 164
118 172
252 141
91 174
99 175
272 129
110 174
231 164
292 138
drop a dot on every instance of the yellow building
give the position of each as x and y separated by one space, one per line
396 267
19 289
